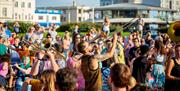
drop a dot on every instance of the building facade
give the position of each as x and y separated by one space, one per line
17 10
171 4
23 10
6 10
106 2
73 13
45 17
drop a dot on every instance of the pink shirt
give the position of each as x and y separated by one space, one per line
3 72
77 66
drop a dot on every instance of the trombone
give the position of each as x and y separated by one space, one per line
47 47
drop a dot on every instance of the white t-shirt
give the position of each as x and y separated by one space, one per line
106 28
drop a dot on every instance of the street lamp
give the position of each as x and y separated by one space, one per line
93 14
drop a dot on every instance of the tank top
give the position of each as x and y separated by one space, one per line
173 85
93 78
106 28
176 69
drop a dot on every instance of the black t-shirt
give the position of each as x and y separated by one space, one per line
139 69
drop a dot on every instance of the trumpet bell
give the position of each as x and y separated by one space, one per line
174 31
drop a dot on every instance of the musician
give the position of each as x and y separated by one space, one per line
43 62
90 65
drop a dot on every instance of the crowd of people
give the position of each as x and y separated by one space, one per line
44 61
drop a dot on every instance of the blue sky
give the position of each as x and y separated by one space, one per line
42 3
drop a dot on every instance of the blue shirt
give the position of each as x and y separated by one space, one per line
8 33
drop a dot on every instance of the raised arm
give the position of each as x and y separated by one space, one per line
102 57
55 66
35 67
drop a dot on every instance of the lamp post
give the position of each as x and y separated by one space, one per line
93 14
69 15
47 17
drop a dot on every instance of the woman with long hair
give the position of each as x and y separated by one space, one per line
46 82
75 42
173 72
66 42
48 78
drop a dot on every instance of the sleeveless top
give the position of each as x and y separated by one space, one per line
93 78
173 85
106 28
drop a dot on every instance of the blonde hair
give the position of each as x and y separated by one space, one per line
48 78
132 82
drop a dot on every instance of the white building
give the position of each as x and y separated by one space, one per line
24 10
46 17
6 10
73 13
20 10
171 4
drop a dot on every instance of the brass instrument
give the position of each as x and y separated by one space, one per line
174 31
54 49
47 47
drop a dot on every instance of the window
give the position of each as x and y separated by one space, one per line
22 4
79 18
79 10
40 17
19 16
32 17
54 18
15 15
4 11
29 5
16 4
177 2
29 16
25 17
